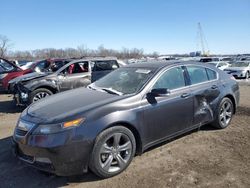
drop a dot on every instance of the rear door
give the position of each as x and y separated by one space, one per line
205 88
101 68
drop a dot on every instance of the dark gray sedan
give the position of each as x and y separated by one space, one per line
131 109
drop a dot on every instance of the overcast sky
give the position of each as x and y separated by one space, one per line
165 26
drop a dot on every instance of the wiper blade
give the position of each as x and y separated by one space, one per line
112 91
90 87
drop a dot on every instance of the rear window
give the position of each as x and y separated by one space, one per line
104 65
197 74
212 75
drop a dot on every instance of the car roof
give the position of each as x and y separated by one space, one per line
161 64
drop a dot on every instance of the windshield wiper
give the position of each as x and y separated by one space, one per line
90 87
112 91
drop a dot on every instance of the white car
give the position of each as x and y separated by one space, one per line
240 69
220 64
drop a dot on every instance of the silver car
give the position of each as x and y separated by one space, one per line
220 64
239 69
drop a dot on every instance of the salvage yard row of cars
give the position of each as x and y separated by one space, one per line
48 77
111 112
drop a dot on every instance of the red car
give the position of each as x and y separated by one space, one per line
9 71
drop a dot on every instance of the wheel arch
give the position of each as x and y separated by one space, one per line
135 132
231 97
52 89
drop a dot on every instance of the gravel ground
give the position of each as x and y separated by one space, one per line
202 158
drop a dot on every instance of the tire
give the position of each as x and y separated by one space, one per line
110 157
224 114
247 75
39 94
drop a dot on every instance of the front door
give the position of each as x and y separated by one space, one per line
168 115
74 76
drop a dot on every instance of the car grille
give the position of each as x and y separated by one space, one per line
20 132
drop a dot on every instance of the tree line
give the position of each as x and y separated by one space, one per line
80 51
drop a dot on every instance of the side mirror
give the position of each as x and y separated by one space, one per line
160 92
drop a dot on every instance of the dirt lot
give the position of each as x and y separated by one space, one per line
203 158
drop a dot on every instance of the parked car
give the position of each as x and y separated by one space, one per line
39 66
8 71
101 127
78 73
219 64
239 69
209 59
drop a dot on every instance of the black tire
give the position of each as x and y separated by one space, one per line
99 160
36 92
247 75
224 114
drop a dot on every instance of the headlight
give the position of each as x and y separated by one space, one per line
54 128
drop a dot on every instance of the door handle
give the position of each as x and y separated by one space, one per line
214 87
185 95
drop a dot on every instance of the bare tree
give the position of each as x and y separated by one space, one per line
4 45
80 51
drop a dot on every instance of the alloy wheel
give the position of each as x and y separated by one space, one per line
115 152
226 112
40 96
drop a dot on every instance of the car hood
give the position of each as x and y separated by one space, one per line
235 69
28 77
66 104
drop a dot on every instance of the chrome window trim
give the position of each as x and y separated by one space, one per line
161 72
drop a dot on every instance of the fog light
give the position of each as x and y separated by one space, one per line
43 160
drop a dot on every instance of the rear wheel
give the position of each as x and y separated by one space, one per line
113 151
224 114
39 94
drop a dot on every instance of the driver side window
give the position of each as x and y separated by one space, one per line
75 68
171 79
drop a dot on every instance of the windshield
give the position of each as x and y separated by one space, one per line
240 64
126 80
5 66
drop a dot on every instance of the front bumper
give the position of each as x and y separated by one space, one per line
59 153
18 92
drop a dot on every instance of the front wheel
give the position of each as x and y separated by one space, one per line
224 114
39 94
113 151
